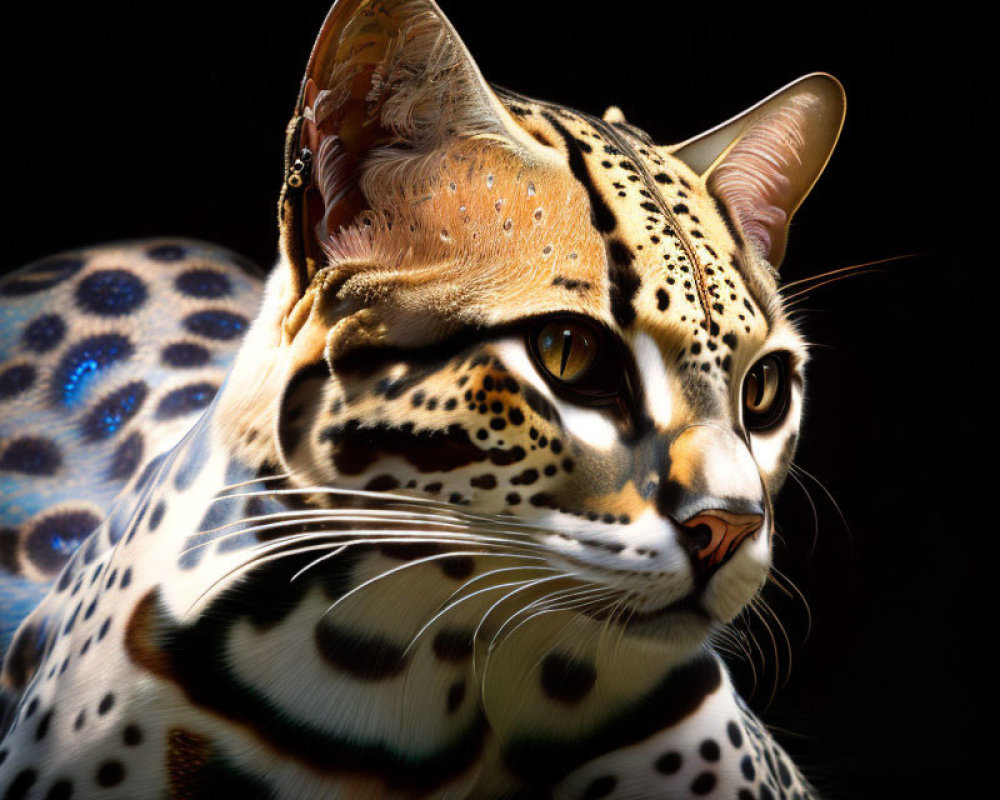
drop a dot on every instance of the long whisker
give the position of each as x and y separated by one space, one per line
463 533
383 497
843 519
279 550
569 596
815 513
290 517
849 269
493 587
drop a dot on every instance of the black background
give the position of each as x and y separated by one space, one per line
168 118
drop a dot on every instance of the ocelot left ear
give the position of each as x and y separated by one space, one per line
388 83
762 163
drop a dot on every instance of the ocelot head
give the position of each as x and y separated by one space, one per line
535 351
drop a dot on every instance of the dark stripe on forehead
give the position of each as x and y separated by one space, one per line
697 270
603 217
623 282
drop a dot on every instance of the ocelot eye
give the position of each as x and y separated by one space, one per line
575 355
766 393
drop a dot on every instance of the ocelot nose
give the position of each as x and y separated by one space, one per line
712 536
713 493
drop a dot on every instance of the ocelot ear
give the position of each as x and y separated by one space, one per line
762 163
387 81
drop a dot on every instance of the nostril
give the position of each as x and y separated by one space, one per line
696 537
713 536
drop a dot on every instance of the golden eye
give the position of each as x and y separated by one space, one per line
765 393
567 349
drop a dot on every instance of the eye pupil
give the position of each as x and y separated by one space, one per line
567 348
765 393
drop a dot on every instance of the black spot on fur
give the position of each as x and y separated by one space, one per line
678 695
668 763
453 645
363 656
599 787
110 773
456 695
126 458
60 790
734 734
441 450
566 680
624 282
703 784
21 785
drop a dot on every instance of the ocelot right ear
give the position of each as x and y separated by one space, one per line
762 163
387 81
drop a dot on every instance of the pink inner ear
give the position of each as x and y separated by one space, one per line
755 178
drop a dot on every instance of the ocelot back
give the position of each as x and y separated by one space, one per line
453 504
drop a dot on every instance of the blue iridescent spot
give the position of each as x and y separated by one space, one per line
31 455
166 252
42 276
216 324
43 333
80 363
204 283
185 354
185 400
110 293
16 380
106 418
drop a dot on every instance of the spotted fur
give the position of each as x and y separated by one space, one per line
365 546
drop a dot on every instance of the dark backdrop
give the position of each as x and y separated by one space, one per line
168 119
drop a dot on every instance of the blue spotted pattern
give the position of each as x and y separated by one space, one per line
44 333
55 537
91 348
208 284
16 380
81 361
166 252
216 324
41 276
185 400
185 354
31 455
110 293
108 416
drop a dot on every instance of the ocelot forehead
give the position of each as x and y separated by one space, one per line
675 270
609 226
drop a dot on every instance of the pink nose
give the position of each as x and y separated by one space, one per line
714 535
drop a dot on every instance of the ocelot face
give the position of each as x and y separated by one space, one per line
565 340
